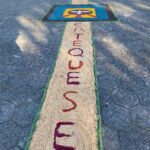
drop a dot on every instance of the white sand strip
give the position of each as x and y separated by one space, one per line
68 119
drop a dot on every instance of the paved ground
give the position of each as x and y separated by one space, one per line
28 49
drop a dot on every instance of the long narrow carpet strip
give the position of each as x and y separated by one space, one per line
69 118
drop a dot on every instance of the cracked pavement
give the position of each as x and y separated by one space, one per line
28 49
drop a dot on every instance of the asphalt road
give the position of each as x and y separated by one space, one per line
28 49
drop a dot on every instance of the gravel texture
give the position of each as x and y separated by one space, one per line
123 61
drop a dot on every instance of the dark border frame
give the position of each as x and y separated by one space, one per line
110 13
108 9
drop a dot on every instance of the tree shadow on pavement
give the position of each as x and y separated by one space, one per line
28 49
124 76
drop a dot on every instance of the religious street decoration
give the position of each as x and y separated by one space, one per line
80 13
